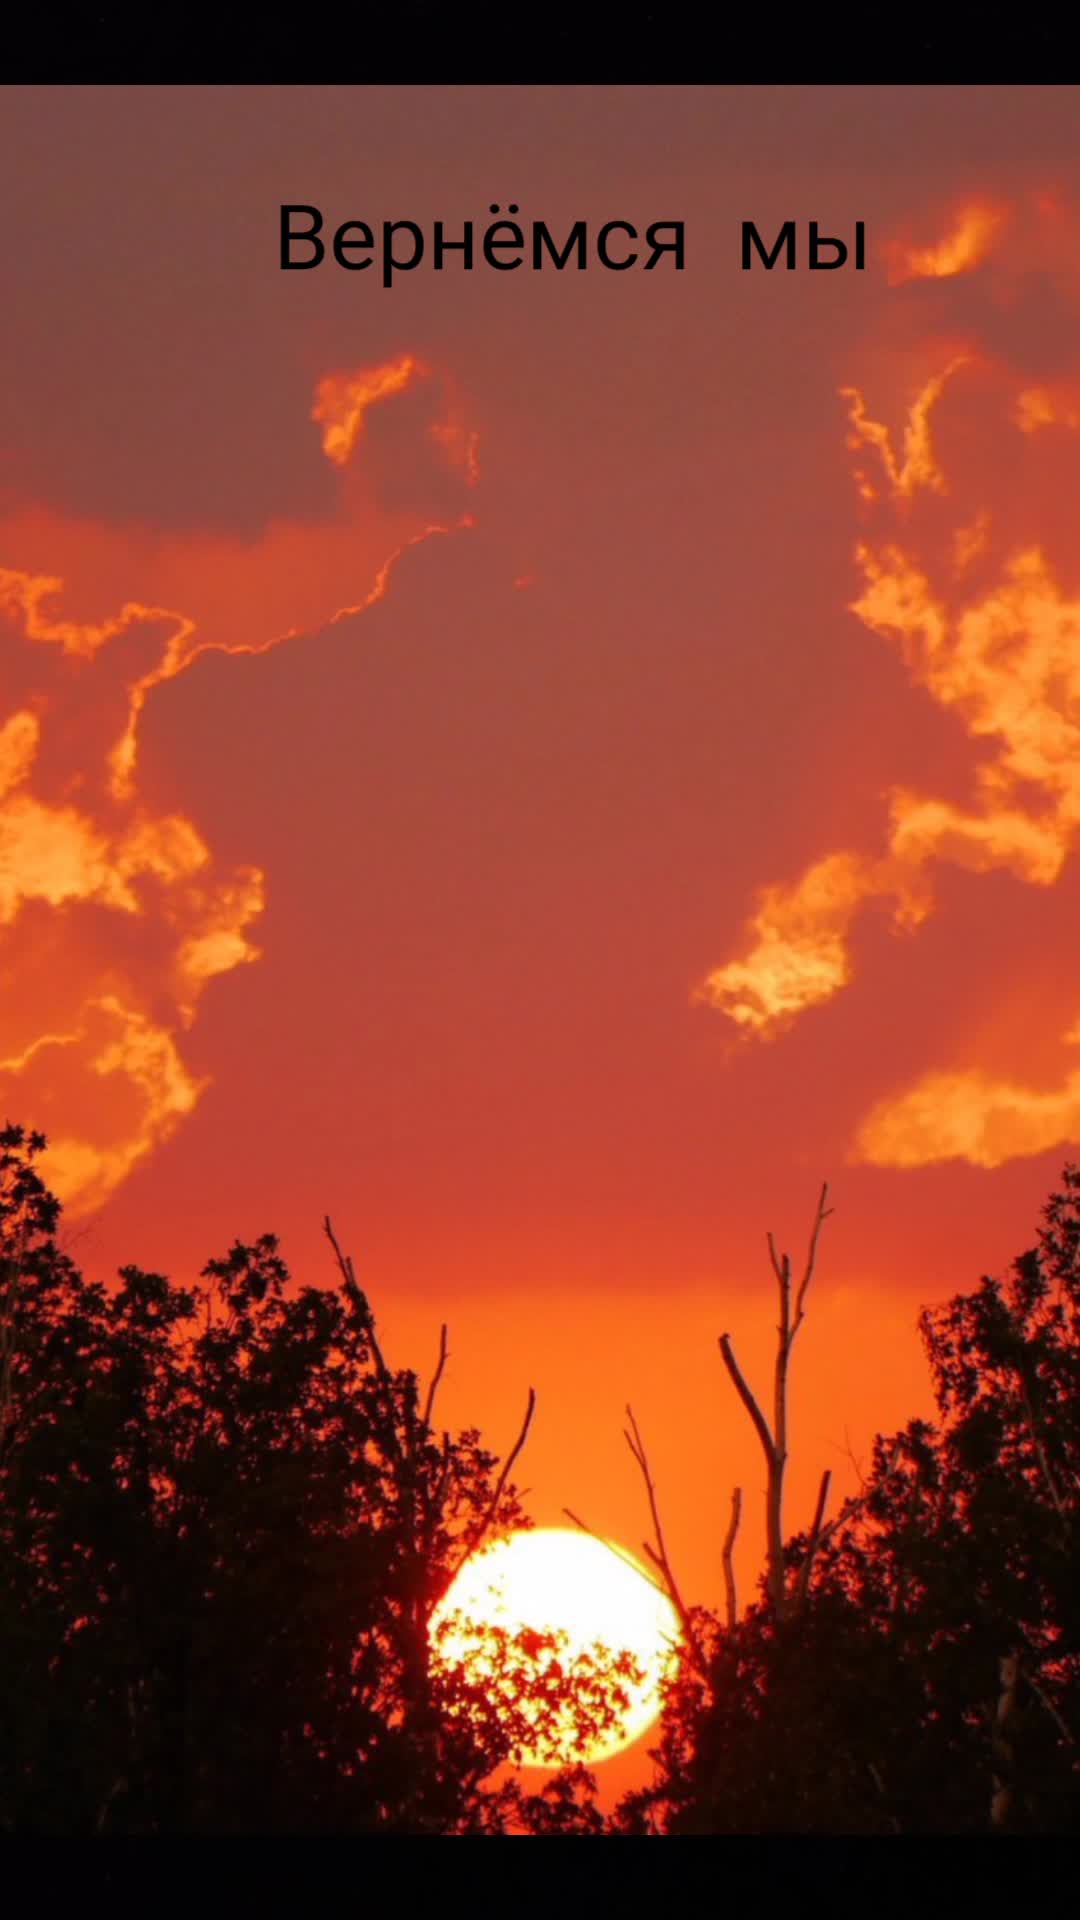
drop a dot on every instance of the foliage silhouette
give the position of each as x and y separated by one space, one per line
931 1681
223 1526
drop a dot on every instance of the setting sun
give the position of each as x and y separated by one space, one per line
572 1608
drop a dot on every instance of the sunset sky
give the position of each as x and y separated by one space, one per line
549 767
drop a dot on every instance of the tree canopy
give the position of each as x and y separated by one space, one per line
224 1523
929 1679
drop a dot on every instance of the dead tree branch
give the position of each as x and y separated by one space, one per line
728 1558
817 1534
357 1299
480 1532
356 1295
658 1586
774 1440
658 1554
614 1548
444 1354
760 1423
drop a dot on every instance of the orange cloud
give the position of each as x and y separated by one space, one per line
968 1116
988 630
970 239
90 1035
915 465
343 399
799 953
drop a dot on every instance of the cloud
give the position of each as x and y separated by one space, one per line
971 234
968 1116
984 625
799 954
114 917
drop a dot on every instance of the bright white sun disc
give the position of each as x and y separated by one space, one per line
591 1593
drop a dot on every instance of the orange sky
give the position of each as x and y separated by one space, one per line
548 767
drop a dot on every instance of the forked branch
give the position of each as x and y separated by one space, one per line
774 1439
658 1553
356 1298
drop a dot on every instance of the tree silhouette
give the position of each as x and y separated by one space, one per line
224 1523
931 1679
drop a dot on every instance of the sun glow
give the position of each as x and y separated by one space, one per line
570 1631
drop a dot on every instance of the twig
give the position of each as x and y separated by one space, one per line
429 1403
850 1455
359 1302
619 1552
816 1536
747 1398
480 1532
635 1566
819 1510
727 1558
823 1213
659 1554
356 1295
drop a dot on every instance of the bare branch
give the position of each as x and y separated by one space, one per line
728 1558
659 1554
747 1398
823 1213
356 1297
819 1510
816 1537
444 1351
856 1502
480 1532
637 1448
856 1464
635 1566
613 1547
774 1442
344 1263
